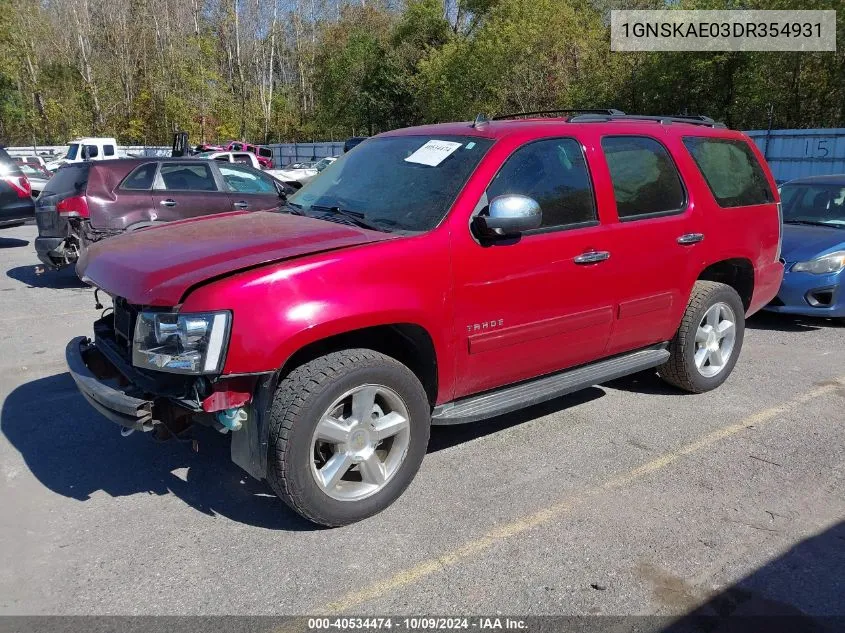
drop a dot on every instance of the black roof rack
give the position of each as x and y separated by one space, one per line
619 116
601 111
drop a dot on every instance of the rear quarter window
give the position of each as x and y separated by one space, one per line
69 179
731 170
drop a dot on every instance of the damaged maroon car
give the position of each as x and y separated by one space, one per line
90 201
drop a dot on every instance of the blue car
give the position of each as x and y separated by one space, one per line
813 247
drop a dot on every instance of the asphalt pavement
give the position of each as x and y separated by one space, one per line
630 498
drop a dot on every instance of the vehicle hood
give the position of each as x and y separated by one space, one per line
803 242
159 265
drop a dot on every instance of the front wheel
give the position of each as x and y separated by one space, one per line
348 432
707 344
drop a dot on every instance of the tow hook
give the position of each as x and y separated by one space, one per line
232 419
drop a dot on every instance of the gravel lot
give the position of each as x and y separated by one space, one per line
630 498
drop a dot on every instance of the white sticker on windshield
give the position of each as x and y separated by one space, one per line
433 153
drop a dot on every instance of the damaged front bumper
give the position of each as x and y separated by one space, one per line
106 389
134 401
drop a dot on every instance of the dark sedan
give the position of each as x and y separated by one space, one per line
91 201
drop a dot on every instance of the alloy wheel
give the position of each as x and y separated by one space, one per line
360 442
715 339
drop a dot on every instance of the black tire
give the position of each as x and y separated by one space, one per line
302 398
680 370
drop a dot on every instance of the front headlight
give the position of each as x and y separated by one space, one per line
181 343
824 265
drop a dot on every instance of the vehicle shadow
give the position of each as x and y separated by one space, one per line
75 452
37 276
776 322
801 590
645 382
446 436
12 242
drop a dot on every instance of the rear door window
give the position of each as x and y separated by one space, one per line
731 170
141 178
193 177
91 151
645 180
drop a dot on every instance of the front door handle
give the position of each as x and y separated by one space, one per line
690 238
240 204
170 202
592 257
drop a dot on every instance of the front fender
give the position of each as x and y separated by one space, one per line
279 309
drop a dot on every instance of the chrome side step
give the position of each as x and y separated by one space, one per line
514 397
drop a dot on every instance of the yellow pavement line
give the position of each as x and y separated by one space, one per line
508 530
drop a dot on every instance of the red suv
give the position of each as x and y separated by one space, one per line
436 275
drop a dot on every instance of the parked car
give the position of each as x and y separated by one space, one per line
88 202
263 154
244 158
16 206
90 148
353 142
37 177
813 248
32 159
436 275
301 174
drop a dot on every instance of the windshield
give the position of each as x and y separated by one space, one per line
814 204
321 165
397 182
72 149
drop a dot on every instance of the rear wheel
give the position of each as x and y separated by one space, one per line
707 344
348 432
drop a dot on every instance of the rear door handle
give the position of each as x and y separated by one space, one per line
592 257
240 204
168 203
690 238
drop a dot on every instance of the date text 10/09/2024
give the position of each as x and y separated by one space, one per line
418 624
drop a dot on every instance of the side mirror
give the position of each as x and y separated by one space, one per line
510 214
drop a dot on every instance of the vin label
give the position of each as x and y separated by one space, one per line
683 31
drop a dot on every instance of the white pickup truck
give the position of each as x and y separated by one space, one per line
301 174
245 158
89 148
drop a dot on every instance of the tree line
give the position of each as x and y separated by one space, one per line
301 70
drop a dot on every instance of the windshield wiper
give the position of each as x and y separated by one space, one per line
293 209
356 216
